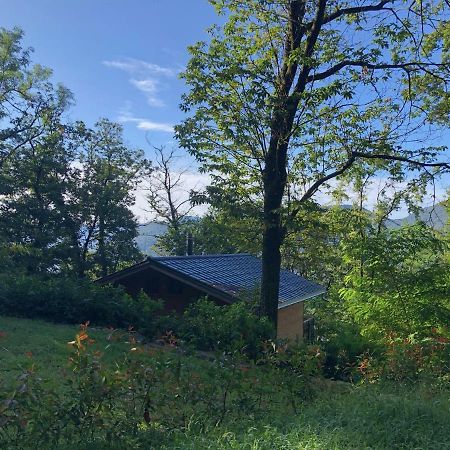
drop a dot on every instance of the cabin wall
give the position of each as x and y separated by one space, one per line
290 322
176 295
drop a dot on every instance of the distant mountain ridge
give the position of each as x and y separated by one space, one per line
434 216
148 236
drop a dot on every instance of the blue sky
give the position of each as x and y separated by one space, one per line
121 59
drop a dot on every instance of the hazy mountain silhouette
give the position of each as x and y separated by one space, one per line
434 216
148 235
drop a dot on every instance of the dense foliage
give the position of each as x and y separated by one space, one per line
66 300
65 188
399 282
214 233
231 328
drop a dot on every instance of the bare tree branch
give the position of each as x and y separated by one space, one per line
165 184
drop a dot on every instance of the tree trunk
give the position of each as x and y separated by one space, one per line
271 264
102 248
275 171
77 258
275 180
275 177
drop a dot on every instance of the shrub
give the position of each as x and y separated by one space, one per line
351 356
343 344
295 365
230 328
67 300
398 283
409 359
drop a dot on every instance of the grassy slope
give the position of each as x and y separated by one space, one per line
24 342
379 417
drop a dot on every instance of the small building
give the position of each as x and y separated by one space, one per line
180 280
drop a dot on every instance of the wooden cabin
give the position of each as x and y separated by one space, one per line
224 279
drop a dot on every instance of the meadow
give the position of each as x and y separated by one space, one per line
187 414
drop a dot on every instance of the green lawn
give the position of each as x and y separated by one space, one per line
341 416
24 342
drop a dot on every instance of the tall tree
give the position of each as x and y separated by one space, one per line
31 136
34 185
65 190
101 227
27 98
294 93
167 194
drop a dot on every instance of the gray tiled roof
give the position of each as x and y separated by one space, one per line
239 273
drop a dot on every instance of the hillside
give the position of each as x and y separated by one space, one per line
332 414
435 216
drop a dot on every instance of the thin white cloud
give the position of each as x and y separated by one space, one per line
149 87
145 76
155 126
145 124
137 66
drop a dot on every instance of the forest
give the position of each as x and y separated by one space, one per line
316 122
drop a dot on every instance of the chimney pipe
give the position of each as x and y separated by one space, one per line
189 244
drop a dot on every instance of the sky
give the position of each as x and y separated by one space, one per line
122 61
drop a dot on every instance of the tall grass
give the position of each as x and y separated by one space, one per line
386 416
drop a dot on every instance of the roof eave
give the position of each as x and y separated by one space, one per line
116 276
301 299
